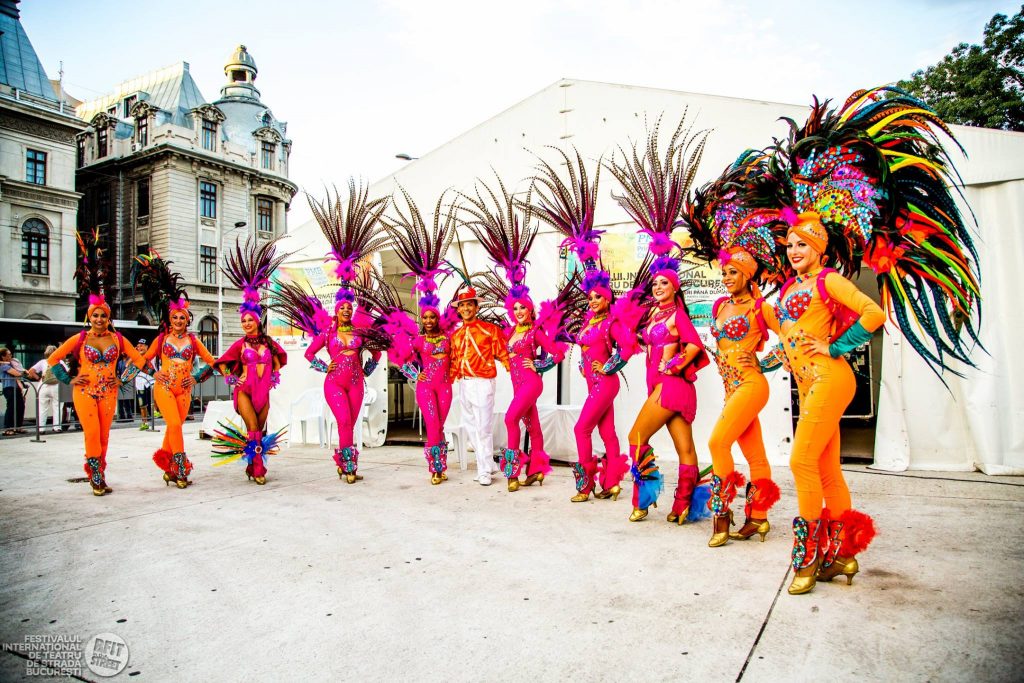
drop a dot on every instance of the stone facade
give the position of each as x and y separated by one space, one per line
161 168
38 201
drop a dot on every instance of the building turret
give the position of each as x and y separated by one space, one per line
241 72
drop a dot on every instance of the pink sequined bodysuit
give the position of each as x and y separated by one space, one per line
527 388
434 390
677 391
256 361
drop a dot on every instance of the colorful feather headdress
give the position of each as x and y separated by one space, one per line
91 273
161 288
655 188
249 268
352 231
503 227
569 208
421 249
737 219
877 176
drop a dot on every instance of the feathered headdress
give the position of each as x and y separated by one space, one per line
505 235
655 190
351 230
384 314
874 175
736 219
249 268
91 274
569 209
421 249
161 288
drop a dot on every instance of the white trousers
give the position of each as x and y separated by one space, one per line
48 402
476 398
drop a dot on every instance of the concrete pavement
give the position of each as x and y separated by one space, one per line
309 578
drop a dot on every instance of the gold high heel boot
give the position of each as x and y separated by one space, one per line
639 514
751 527
580 498
806 555
513 485
804 579
612 493
721 530
846 566
168 479
435 479
538 477
353 478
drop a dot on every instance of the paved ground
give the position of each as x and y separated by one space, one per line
308 578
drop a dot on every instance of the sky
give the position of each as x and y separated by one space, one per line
359 82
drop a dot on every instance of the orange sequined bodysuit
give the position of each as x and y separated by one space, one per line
739 336
177 356
826 385
96 400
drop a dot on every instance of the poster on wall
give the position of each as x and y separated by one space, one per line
311 278
622 252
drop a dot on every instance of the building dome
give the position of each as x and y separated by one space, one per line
240 58
241 72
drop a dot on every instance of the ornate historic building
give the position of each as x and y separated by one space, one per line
38 202
161 168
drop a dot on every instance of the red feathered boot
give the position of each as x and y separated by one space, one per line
164 459
688 475
762 494
848 536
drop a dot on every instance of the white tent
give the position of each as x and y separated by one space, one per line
597 118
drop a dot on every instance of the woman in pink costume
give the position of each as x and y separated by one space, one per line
507 237
344 385
252 365
604 343
353 234
424 358
726 226
655 186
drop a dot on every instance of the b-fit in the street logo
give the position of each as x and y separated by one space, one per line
106 654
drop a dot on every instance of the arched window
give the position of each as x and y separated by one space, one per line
35 247
208 329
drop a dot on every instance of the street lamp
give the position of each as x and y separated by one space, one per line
220 287
405 157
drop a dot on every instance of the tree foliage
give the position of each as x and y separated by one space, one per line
979 85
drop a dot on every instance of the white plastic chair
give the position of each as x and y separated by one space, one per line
331 424
308 407
457 440
369 398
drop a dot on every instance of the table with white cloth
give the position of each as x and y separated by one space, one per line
218 411
557 423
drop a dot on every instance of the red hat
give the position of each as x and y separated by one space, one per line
468 294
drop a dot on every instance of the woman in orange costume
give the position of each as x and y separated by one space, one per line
724 229
177 349
96 352
805 321
869 182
